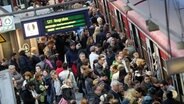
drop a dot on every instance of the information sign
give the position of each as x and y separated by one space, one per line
7 24
55 23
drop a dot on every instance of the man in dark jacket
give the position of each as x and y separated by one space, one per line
170 99
115 91
26 94
71 57
24 62
13 61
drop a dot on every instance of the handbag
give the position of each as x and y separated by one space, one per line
63 101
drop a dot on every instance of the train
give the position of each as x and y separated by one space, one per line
154 46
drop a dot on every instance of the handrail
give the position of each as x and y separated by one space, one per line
44 7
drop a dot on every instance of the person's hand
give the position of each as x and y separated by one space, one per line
37 97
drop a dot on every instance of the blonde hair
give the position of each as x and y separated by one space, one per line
96 32
140 62
129 94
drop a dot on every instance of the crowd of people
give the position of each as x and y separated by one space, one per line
98 62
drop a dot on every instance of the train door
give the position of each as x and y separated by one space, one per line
157 63
149 51
111 15
119 21
135 36
163 58
106 11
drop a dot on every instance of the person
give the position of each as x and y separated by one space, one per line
170 99
17 81
59 67
26 94
93 56
71 57
24 62
40 88
67 90
49 49
27 77
67 74
56 86
13 61
115 90
34 56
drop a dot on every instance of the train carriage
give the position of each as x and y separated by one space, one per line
148 44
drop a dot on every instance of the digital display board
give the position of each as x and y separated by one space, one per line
55 23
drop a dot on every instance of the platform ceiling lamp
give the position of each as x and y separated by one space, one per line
151 26
127 7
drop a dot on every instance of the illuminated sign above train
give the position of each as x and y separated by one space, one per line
55 23
61 23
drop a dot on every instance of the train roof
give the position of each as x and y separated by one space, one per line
159 37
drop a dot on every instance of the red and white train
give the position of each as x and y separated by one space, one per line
146 42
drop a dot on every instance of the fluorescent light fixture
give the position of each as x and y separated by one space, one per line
151 25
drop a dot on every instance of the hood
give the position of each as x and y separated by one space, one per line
65 86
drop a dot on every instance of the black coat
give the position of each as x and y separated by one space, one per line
68 94
115 95
27 97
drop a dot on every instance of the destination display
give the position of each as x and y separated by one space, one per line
61 23
55 23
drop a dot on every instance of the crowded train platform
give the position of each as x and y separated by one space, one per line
98 62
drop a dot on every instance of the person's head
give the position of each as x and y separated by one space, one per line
138 92
147 79
115 85
82 56
136 55
12 68
13 55
72 45
53 74
169 94
118 58
42 57
128 78
149 73
164 84
68 82
30 85
50 44
65 66
101 59
92 49
72 102
85 31
33 50
22 51
114 68
28 75
90 40
45 73
38 76
98 90
84 101
59 64
38 68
